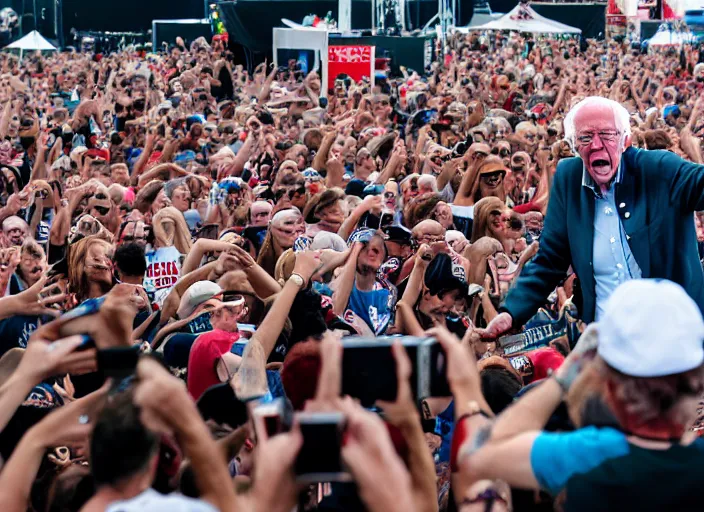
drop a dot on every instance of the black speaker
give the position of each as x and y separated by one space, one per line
648 28
48 21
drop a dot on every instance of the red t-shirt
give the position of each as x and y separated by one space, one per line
202 361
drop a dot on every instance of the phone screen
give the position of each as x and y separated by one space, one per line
319 459
210 232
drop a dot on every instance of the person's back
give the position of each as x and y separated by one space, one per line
609 473
123 454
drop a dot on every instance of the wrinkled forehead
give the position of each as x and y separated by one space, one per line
595 117
429 227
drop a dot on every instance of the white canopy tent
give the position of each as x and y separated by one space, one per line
31 42
305 38
477 20
666 37
523 18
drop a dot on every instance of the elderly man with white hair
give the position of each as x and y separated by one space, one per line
616 213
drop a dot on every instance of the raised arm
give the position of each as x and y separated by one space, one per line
270 328
345 281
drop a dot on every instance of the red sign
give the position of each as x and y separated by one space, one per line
355 61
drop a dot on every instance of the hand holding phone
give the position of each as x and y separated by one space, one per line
319 459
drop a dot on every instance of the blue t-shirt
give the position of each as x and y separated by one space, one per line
16 330
600 470
375 307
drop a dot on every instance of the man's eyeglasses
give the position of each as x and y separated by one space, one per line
604 136
429 239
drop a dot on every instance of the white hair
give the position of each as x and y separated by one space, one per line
428 181
621 116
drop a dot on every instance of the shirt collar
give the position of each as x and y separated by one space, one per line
588 181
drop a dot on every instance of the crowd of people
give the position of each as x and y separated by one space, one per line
187 247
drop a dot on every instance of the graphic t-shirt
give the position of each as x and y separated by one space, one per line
600 470
375 306
163 270
15 331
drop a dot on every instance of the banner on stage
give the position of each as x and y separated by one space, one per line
355 61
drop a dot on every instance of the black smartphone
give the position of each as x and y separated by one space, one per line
319 459
209 231
369 368
272 418
387 218
118 363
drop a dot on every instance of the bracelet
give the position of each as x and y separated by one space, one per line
305 281
459 436
470 414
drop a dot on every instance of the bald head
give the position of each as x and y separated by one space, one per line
428 231
15 229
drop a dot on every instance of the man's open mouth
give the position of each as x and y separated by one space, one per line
601 166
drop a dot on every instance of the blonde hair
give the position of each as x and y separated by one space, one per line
77 252
284 266
482 209
177 235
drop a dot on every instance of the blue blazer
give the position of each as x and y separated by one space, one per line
656 198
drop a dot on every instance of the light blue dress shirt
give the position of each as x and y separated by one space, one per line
612 257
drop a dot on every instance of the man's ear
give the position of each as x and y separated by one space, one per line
628 141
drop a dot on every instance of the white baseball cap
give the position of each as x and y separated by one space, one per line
197 294
651 328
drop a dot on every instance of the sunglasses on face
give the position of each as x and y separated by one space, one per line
102 210
132 238
491 175
300 191
389 195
